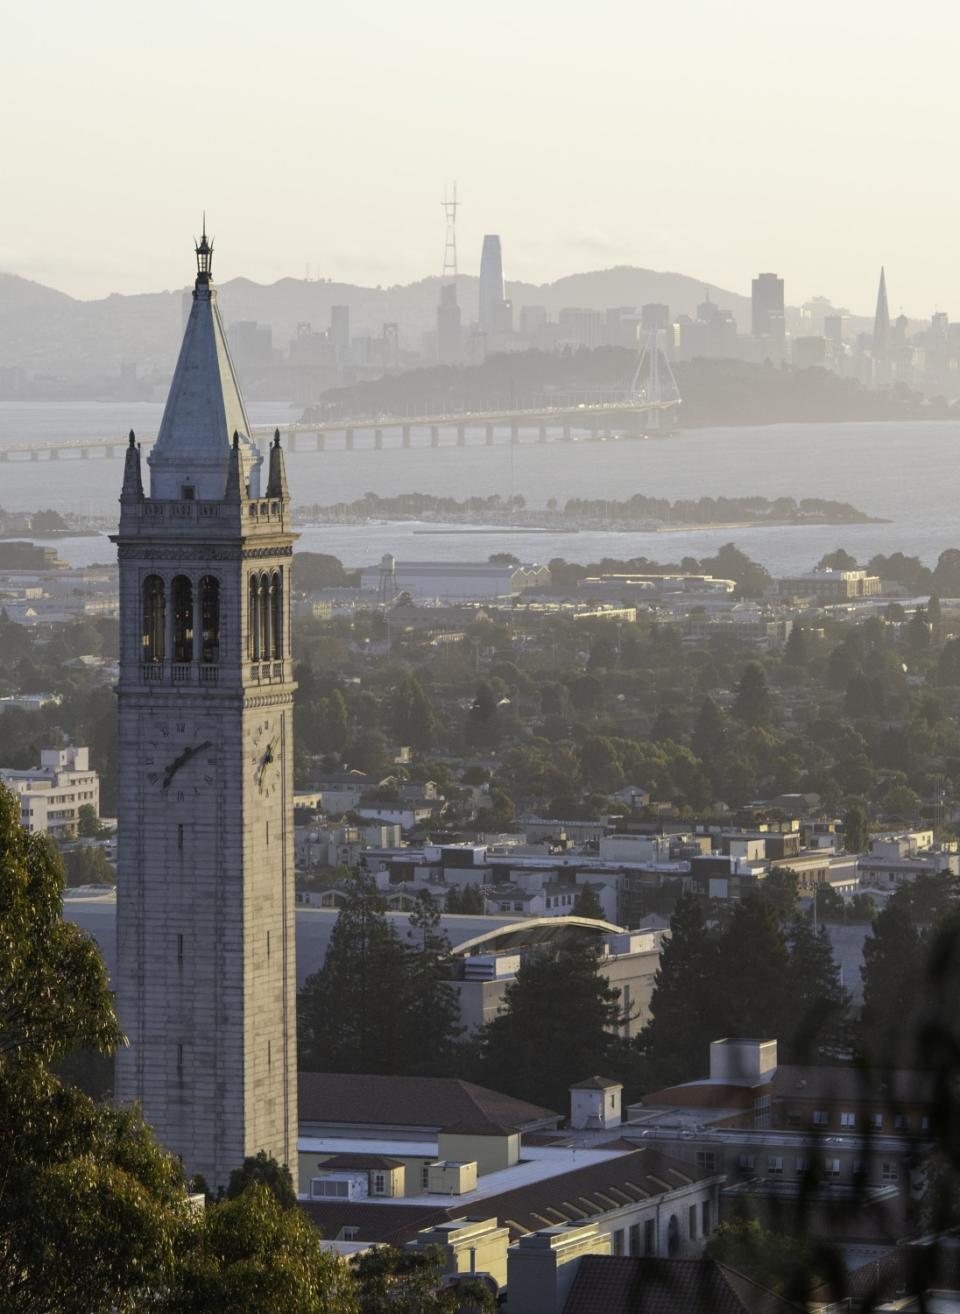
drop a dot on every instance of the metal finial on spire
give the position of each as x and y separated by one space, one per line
276 437
204 252
133 439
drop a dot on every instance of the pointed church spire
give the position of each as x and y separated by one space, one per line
204 408
277 482
881 321
132 490
234 473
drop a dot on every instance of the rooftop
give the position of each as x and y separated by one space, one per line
421 1102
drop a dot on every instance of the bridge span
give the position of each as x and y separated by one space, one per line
572 423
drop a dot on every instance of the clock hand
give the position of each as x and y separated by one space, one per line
182 760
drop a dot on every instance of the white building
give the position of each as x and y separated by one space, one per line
453 581
52 794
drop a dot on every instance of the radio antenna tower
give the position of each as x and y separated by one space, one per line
450 203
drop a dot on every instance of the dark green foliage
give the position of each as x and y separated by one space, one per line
753 704
377 1004
393 1281
554 1029
587 904
413 719
855 830
88 823
250 1255
684 1016
348 1011
261 1168
88 866
776 1261
891 978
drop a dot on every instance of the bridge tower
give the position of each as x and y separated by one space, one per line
655 383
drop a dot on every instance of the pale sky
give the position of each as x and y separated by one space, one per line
716 138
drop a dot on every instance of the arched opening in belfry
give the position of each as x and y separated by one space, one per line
209 619
266 645
154 619
182 602
253 619
276 612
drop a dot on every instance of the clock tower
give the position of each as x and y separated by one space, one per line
206 986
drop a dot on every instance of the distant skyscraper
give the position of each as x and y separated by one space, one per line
340 327
449 330
495 311
654 316
881 321
767 307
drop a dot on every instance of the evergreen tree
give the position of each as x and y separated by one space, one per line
433 1001
753 704
333 723
917 633
352 1012
797 650
263 1169
555 1027
817 1001
413 719
683 1016
709 733
856 835
891 975
587 904
752 972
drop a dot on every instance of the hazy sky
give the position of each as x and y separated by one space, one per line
717 139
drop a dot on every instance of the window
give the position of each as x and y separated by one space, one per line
263 590
889 1172
745 1162
180 835
253 620
187 492
618 1242
673 1236
269 1053
425 1176
322 1188
876 1121
705 1218
924 1123
848 1120
775 1165
379 1183
831 1167
820 1118
801 1165
179 946
692 1222
268 946
650 1237
179 1058
182 601
276 612
154 619
349 1234
707 1160
634 1239
209 619
899 1122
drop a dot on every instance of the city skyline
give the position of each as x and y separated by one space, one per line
735 100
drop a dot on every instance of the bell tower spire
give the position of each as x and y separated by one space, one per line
191 457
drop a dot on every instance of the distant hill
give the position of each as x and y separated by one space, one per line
48 332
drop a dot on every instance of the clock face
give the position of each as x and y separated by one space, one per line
263 755
180 758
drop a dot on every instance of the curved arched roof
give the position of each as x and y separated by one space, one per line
533 930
